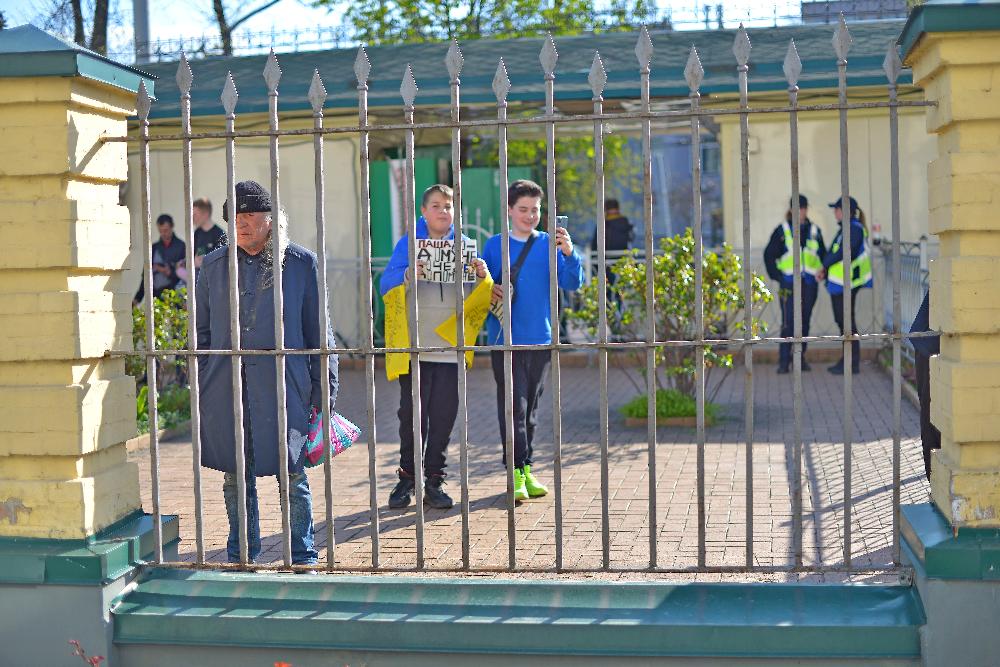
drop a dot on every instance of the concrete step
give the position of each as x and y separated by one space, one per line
173 616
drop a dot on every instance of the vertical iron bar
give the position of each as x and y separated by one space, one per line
793 129
151 361
848 274
897 388
362 67
463 410
548 64
324 315
602 320
647 216
508 339
409 201
699 315
184 81
229 100
748 425
279 320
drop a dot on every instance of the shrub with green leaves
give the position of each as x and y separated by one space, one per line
173 407
170 323
669 403
674 310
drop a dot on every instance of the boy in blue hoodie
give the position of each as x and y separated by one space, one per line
530 319
438 370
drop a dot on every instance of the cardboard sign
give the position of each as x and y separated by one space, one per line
438 260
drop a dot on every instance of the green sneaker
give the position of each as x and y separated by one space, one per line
535 488
520 491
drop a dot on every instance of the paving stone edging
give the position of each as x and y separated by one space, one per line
142 442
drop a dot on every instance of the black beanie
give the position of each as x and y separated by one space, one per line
251 197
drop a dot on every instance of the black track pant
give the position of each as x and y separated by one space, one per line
528 370
808 296
838 316
438 409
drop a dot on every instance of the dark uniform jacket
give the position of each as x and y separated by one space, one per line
302 372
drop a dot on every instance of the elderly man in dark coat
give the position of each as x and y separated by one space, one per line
255 232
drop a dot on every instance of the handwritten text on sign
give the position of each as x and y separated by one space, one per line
437 258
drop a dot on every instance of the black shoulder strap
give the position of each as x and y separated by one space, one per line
516 269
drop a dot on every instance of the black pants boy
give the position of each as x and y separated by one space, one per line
528 369
808 295
438 409
838 316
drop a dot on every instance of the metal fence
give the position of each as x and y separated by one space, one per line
875 315
700 343
914 268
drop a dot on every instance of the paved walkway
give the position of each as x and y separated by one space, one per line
676 470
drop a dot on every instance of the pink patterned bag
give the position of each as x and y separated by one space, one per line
343 434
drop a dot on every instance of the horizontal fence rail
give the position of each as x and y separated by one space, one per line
703 341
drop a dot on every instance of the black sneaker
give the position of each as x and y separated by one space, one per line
805 366
782 370
434 495
401 494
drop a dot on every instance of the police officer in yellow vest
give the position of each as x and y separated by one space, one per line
860 275
778 260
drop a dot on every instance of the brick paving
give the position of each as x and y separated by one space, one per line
676 472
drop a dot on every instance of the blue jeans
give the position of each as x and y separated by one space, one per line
300 516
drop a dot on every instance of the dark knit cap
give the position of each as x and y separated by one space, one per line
251 197
840 204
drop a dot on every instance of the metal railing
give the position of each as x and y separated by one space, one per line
914 269
650 343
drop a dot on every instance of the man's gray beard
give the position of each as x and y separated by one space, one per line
267 260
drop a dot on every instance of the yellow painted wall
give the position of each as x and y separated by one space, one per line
65 410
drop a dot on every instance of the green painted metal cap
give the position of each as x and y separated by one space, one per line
29 51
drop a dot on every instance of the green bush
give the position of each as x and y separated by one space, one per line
170 323
173 407
669 403
674 310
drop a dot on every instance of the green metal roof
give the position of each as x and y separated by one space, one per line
29 51
949 16
336 67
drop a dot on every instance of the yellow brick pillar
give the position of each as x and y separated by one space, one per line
65 410
954 51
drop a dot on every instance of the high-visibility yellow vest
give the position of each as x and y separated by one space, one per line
811 262
861 266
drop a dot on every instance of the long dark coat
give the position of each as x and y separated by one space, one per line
302 373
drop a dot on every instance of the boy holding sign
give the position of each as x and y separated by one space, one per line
530 318
435 292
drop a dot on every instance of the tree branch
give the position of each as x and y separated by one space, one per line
78 35
235 24
99 33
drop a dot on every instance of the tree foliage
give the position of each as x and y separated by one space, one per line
674 304
575 178
400 21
